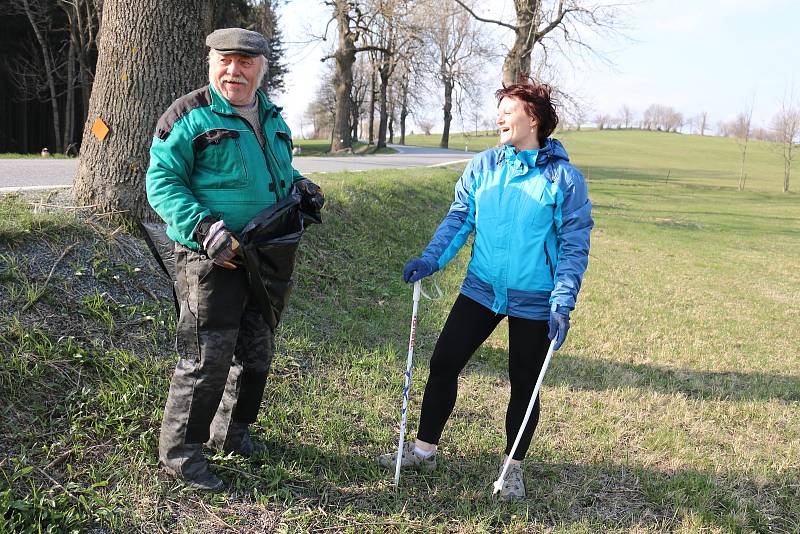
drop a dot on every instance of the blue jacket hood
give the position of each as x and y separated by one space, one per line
552 150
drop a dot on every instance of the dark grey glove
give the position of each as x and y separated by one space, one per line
218 242
312 194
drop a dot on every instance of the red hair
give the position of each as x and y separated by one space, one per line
537 103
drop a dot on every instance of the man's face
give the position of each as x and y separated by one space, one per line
235 76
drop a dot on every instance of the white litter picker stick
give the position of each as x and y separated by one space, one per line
498 484
407 386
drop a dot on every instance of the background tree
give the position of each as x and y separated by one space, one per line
426 124
150 53
561 21
321 111
625 116
39 14
602 120
458 45
742 130
363 81
83 23
786 125
414 90
702 122
394 35
351 24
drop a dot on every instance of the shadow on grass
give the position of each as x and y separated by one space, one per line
591 374
601 495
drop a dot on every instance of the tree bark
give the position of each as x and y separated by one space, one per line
448 106
372 106
149 54
391 120
345 57
384 72
517 65
403 110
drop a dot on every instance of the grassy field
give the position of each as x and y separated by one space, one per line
674 405
632 154
320 147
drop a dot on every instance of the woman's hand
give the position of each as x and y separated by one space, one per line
559 325
417 269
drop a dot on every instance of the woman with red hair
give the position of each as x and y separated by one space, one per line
530 214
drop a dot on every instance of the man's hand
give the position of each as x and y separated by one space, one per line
311 192
220 245
559 325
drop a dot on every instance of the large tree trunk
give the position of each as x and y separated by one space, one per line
517 65
384 72
404 82
354 123
343 80
372 106
403 115
149 53
448 106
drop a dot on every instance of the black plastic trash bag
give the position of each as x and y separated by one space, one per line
268 247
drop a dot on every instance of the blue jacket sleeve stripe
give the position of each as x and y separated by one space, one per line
457 225
573 227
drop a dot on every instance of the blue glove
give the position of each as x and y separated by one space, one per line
559 325
417 269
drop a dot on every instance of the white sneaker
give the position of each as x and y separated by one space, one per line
410 458
513 485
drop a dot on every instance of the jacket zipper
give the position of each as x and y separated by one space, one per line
241 157
269 167
266 159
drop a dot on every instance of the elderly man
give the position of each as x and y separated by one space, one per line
220 155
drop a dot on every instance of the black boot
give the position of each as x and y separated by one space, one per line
188 464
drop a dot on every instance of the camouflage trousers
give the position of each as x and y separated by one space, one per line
225 350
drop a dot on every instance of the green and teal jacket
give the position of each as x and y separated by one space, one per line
206 160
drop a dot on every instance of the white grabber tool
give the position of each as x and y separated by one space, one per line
498 484
407 385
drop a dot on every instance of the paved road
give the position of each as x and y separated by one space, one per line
17 174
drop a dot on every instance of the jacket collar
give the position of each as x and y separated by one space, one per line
520 161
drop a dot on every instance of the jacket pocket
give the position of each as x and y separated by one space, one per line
219 160
286 138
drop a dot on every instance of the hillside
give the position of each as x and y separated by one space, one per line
685 159
674 405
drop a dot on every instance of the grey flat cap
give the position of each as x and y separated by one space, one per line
238 41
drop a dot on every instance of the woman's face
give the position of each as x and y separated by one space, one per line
516 127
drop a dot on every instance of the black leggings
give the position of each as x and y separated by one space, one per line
467 326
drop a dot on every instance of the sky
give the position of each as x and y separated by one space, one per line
711 56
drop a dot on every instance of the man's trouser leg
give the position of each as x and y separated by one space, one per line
244 389
212 301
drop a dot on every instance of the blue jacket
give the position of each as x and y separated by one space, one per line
531 217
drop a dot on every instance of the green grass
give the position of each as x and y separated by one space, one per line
321 147
674 405
457 141
670 157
